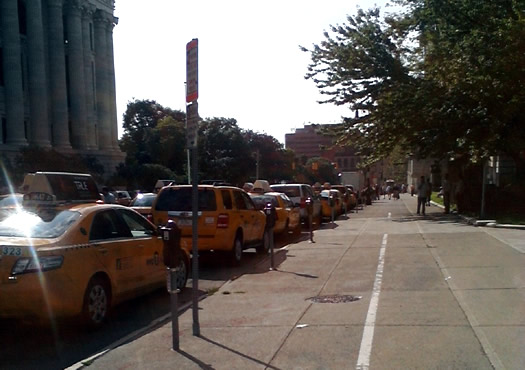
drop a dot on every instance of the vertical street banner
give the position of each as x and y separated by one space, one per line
192 71
192 93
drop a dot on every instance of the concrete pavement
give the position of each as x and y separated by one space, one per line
428 292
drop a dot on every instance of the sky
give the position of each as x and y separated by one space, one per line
250 65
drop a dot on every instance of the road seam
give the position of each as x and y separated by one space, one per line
365 350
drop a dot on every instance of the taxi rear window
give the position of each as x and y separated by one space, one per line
179 199
143 201
44 224
291 191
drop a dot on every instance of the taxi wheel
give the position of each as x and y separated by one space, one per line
265 243
236 252
182 273
96 302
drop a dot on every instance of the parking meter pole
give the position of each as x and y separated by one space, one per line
174 291
194 241
272 265
332 208
269 211
309 210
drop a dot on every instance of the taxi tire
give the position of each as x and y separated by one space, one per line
98 294
264 247
236 252
182 273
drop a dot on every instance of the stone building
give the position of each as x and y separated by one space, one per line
57 78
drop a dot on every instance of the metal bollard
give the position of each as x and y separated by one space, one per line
174 305
332 207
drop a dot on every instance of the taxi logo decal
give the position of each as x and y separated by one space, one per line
154 260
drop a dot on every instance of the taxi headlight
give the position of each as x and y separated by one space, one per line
27 265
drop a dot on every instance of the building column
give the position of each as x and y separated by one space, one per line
112 90
89 75
57 77
38 103
13 88
75 66
102 83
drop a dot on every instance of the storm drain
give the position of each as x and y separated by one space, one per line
334 298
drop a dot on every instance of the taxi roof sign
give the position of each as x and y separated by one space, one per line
61 187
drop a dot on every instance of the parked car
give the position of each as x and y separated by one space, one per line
331 199
142 204
288 217
228 220
348 197
122 197
298 193
64 257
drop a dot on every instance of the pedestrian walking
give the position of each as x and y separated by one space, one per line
459 193
429 191
446 193
421 195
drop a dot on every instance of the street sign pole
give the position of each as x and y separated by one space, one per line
192 128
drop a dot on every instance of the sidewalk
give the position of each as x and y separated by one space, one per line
267 319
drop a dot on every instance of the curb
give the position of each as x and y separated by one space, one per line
483 223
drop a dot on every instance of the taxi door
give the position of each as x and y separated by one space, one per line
247 217
110 238
147 247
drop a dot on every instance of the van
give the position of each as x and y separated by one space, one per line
298 193
228 220
162 183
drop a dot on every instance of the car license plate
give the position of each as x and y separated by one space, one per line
12 251
183 222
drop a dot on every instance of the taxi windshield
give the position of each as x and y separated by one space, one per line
43 224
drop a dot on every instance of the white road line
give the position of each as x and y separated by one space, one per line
363 361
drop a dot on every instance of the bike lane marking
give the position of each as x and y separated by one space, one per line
365 350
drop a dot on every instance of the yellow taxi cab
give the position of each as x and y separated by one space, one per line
347 196
288 215
331 198
64 255
228 220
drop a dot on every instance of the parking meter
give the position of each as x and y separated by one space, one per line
172 254
171 250
310 211
271 218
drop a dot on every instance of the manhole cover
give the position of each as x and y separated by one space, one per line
334 298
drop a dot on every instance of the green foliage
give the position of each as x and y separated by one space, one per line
321 170
144 176
437 79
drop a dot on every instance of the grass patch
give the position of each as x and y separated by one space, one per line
513 219
211 291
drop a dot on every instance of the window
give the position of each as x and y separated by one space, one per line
239 200
179 199
107 225
137 224
227 199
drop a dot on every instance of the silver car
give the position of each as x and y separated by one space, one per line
298 193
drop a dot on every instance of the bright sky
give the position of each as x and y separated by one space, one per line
250 65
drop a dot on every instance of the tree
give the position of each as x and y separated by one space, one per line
437 79
223 152
275 162
142 135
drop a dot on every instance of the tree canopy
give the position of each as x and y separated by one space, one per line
436 78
